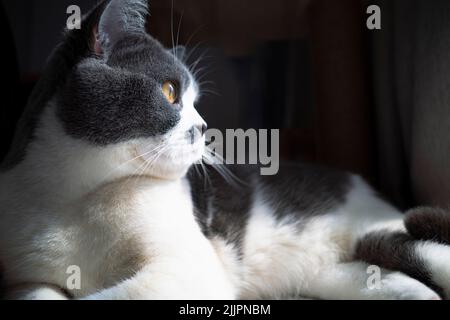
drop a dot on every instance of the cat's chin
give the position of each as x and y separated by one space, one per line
173 167
172 163
169 172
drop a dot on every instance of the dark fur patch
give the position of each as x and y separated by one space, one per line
304 190
429 224
118 97
297 190
222 209
395 251
121 99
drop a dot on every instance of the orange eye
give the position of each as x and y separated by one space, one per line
170 91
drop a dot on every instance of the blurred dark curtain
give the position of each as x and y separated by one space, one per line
9 82
411 68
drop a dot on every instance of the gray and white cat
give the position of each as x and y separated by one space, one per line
99 178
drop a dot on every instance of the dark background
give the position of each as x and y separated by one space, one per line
343 95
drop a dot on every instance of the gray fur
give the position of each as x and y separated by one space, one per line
395 251
117 96
306 190
120 99
429 224
223 209
298 191
120 18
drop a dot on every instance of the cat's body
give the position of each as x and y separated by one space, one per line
102 184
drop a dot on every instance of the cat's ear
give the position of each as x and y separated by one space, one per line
179 52
120 17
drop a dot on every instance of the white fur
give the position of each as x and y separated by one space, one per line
349 281
180 261
436 258
283 257
35 292
281 260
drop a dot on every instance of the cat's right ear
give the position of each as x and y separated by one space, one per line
120 17
97 46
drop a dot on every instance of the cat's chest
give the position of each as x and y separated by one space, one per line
142 208
141 222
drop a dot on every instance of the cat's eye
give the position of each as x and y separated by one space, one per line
170 91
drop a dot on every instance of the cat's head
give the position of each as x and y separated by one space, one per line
133 93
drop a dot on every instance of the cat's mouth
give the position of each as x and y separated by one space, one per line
186 155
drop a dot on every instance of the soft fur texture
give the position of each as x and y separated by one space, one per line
101 180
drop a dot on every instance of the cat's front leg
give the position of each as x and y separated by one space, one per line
35 292
350 281
156 283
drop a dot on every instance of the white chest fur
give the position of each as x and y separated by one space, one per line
134 228
155 227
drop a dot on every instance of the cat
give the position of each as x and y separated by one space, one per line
102 177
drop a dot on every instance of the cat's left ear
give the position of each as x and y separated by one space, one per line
120 18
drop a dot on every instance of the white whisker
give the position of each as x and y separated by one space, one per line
178 32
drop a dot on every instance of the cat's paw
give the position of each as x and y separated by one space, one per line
398 286
35 292
425 223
